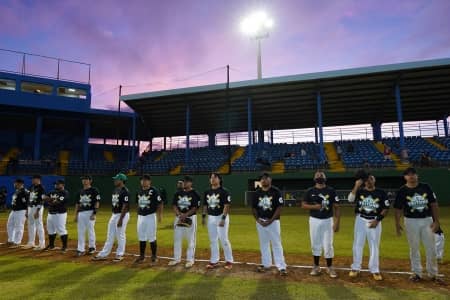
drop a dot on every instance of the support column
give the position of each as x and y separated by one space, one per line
261 136
271 136
87 133
316 137
211 139
398 101
188 125
319 122
165 144
133 139
37 138
376 130
250 132
445 126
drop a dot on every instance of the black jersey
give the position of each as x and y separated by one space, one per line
148 201
370 204
36 192
88 198
415 202
20 199
215 200
186 200
326 197
266 202
58 201
119 198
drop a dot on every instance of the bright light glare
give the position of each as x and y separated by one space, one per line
257 24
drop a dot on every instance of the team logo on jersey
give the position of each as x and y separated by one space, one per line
213 200
54 197
418 202
325 201
265 202
144 201
14 199
33 196
115 200
369 204
184 202
85 200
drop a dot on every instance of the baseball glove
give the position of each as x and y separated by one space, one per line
187 222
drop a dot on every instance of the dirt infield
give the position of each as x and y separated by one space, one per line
247 271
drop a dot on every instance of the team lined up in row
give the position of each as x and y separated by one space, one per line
415 201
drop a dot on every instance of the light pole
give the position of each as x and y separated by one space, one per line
257 26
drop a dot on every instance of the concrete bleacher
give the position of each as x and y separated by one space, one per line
357 153
417 145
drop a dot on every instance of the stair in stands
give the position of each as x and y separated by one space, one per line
176 170
335 164
12 153
436 144
398 164
158 158
278 167
108 155
225 168
64 156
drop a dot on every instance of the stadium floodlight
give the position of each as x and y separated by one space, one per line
257 26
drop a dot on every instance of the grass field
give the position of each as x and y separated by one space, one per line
23 275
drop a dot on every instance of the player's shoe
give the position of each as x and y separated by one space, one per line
377 276
437 280
63 249
228 265
189 264
440 261
80 253
315 271
262 269
91 251
283 272
139 260
38 248
353 273
173 263
415 278
28 246
118 259
154 259
98 258
211 266
14 246
332 272
49 247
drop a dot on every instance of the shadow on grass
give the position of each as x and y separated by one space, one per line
163 285
276 289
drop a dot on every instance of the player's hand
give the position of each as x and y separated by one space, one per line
336 227
358 183
399 230
119 223
222 223
267 223
317 206
182 217
434 226
92 217
373 223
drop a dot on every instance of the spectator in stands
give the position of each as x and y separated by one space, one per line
425 160
387 152
350 148
303 152
404 157
3 194
366 165
339 151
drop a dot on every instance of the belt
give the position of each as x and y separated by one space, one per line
368 217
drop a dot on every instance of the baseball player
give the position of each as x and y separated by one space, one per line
35 214
418 204
86 206
440 241
18 214
266 207
217 203
371 207
117 225
57 215
149 210
185 204
322 202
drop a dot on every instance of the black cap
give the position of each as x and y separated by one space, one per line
36 176
19 180
89 177
188 178
146 177
409 171
265 174
60 181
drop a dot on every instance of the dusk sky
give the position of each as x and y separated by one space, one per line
154 45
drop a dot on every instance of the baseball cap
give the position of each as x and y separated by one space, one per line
36 176
89 177
120 176
19 180
188 178
265 174
146 177
410 170
59 181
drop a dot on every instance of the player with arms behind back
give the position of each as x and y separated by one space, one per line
35 214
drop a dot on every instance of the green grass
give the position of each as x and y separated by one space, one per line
243 236
43 279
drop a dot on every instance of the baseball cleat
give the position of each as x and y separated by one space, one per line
283 272
332 272
91 251
173 263
49 247
228 265
438 280
415 278
118 259
28 246
212 265
315 271
353 273
63 249
154 259
139 260
377 276
39 248
440 261
98 258
262 269
80 253
189 264
14 246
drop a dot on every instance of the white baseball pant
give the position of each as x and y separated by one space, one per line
216 233
373 236
418 230
36 225
115 233
146 228
440 241
56 224
188 233
84 223
271 235
321 234
15 226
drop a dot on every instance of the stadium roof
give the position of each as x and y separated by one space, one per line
351 96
